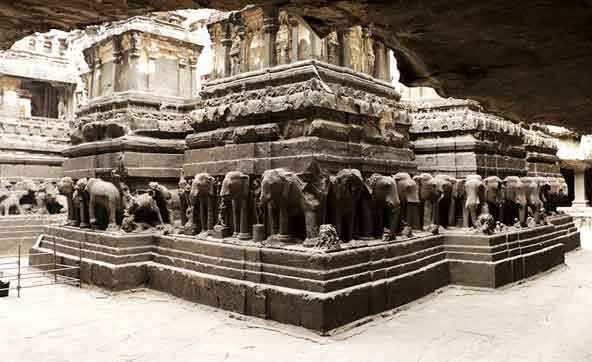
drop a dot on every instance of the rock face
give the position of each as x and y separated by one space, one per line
524 60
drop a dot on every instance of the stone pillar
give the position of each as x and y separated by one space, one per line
195 81
181 76
117 66
270 27
580 199
134 52
226 45
96 82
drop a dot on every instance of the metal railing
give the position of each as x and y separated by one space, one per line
27 276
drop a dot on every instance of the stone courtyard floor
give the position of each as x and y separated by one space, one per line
548 318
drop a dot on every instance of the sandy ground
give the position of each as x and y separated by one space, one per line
548 318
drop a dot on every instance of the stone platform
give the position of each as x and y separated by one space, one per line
24 229
318 290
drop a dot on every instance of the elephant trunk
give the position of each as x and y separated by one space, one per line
452 212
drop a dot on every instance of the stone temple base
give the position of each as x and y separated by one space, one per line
582 217
24 229
317 290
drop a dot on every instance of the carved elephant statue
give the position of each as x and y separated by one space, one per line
457 202
141 211
533 198
408 191
429 196
202 199
236 186
494 196
516 200
163 198
51 197
80 198
66 188
11 200
289 198
557 193
545 190
444 185
104 195
381 208
345 190
184 204
474 199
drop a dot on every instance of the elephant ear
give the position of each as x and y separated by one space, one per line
287 183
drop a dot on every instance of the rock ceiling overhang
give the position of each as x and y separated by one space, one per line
527 60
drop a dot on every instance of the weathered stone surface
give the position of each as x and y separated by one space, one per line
523 67
320 291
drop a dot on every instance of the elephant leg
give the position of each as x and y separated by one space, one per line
112 210
273 217
336 219
203 214
91 211
284 222
211 213
312 225
452 212
70 212
474 214
348 226
19 208
394 224
84 206
183 210
536 214
236 205
379 217
245 224
522 212
466 217
159 216
367 222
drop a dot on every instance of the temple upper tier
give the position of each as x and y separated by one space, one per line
257 38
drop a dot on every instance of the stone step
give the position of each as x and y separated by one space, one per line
20 234
36 228
28 220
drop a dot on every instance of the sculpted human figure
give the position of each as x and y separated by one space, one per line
101 194
291 198
345 190
203 200
381 208
236 186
